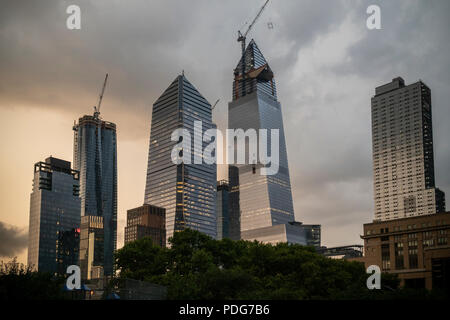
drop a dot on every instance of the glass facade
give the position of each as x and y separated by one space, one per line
234 211
222 210
313 234
54 217
95 156
186 191
264 200
280 233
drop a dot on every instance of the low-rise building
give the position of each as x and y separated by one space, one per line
146 221
415 248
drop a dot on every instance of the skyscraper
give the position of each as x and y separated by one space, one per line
403 160
265 200
186 191
53 238
95 156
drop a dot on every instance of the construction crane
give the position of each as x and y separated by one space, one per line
242 37
97 108
217 101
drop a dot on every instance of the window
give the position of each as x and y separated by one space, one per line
399 261
385 257
412 254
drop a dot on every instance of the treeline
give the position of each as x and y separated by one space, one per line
198 267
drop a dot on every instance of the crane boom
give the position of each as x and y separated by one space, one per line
97 108
217 101
242 37
256 18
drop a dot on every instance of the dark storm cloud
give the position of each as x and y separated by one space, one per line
13 240
326 65
143 45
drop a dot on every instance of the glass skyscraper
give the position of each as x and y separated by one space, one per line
95 157
265 200
186 191
54 228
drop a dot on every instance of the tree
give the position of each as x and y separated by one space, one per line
20 282
199 267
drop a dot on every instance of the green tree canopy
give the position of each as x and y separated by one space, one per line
196 266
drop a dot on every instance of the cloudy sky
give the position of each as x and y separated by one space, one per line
326 63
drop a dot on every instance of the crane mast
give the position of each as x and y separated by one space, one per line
97 108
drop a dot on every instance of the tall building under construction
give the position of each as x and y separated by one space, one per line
266 207
95 157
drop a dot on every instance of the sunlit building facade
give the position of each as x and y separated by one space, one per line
92 243
95 157
403 160
53 239
186 191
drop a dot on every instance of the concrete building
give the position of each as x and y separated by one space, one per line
146 221
403 160
415 248
54 228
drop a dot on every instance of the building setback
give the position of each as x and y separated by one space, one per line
53 238
95 156
146 221
186 191
403 160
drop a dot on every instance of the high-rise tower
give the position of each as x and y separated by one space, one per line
402 143
265 200
53 239
95 156
186 191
